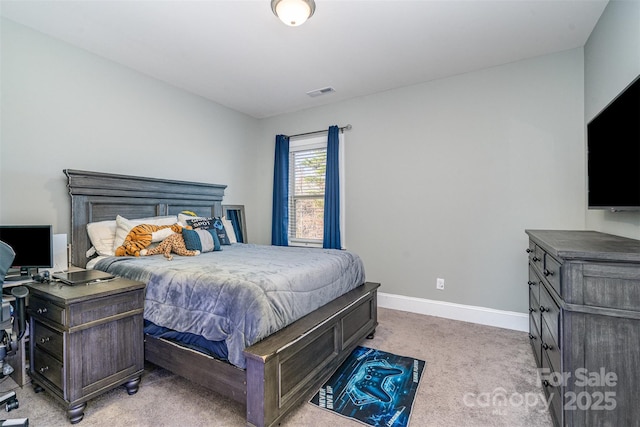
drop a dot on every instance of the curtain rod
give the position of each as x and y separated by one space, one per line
342 129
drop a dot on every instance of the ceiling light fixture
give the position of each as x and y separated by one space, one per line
293 12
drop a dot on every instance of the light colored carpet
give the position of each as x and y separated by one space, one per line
475 376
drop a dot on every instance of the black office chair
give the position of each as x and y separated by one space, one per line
6 258
9 340
19 292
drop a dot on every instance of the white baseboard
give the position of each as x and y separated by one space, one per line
448 310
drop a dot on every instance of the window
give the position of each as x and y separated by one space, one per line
307 168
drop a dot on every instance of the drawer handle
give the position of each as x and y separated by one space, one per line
41 310
529 250
531 283
532 337
43 369
532 310
546 383
547 346
535 259
543 309
44 340
547 272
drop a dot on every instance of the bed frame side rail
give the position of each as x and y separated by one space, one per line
209 372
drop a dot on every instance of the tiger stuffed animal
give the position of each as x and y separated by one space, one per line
141 237
174 243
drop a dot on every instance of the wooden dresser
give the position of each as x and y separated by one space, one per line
86 339
584 304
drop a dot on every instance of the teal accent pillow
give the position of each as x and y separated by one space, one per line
211 223
201 240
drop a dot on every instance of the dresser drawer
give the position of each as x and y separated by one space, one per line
534 338
553 391
46 309
552 273
536 255
534 308
550 313
48 367
550 348
534 283
48 339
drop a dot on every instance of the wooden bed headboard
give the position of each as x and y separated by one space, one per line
97 196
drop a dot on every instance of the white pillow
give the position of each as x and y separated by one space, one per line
102 235
124 226
228 227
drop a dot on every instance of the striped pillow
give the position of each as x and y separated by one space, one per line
201 240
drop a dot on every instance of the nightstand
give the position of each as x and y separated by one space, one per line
86 339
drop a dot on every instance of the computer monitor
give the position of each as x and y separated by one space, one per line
33 245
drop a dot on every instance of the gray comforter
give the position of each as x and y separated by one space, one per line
241 294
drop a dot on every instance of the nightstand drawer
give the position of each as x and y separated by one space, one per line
48 367
48 339
99 309
46 309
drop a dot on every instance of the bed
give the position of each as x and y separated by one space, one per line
277 372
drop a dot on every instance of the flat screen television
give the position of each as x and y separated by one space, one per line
613 153
33 245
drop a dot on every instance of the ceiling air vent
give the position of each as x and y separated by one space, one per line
323 91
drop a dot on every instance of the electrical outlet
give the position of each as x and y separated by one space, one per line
439 283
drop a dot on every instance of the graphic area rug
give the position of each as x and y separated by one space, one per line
374 387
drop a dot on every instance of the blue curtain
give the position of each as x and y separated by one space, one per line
331 239
280 214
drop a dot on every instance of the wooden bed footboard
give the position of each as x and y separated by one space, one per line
285 368
291 365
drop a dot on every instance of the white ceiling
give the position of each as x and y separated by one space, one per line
238 54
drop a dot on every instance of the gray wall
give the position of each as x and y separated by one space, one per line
612 61
65 108
442 178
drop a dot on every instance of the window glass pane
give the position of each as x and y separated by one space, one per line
309 217
309 168
306 203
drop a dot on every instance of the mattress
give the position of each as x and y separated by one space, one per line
241 294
